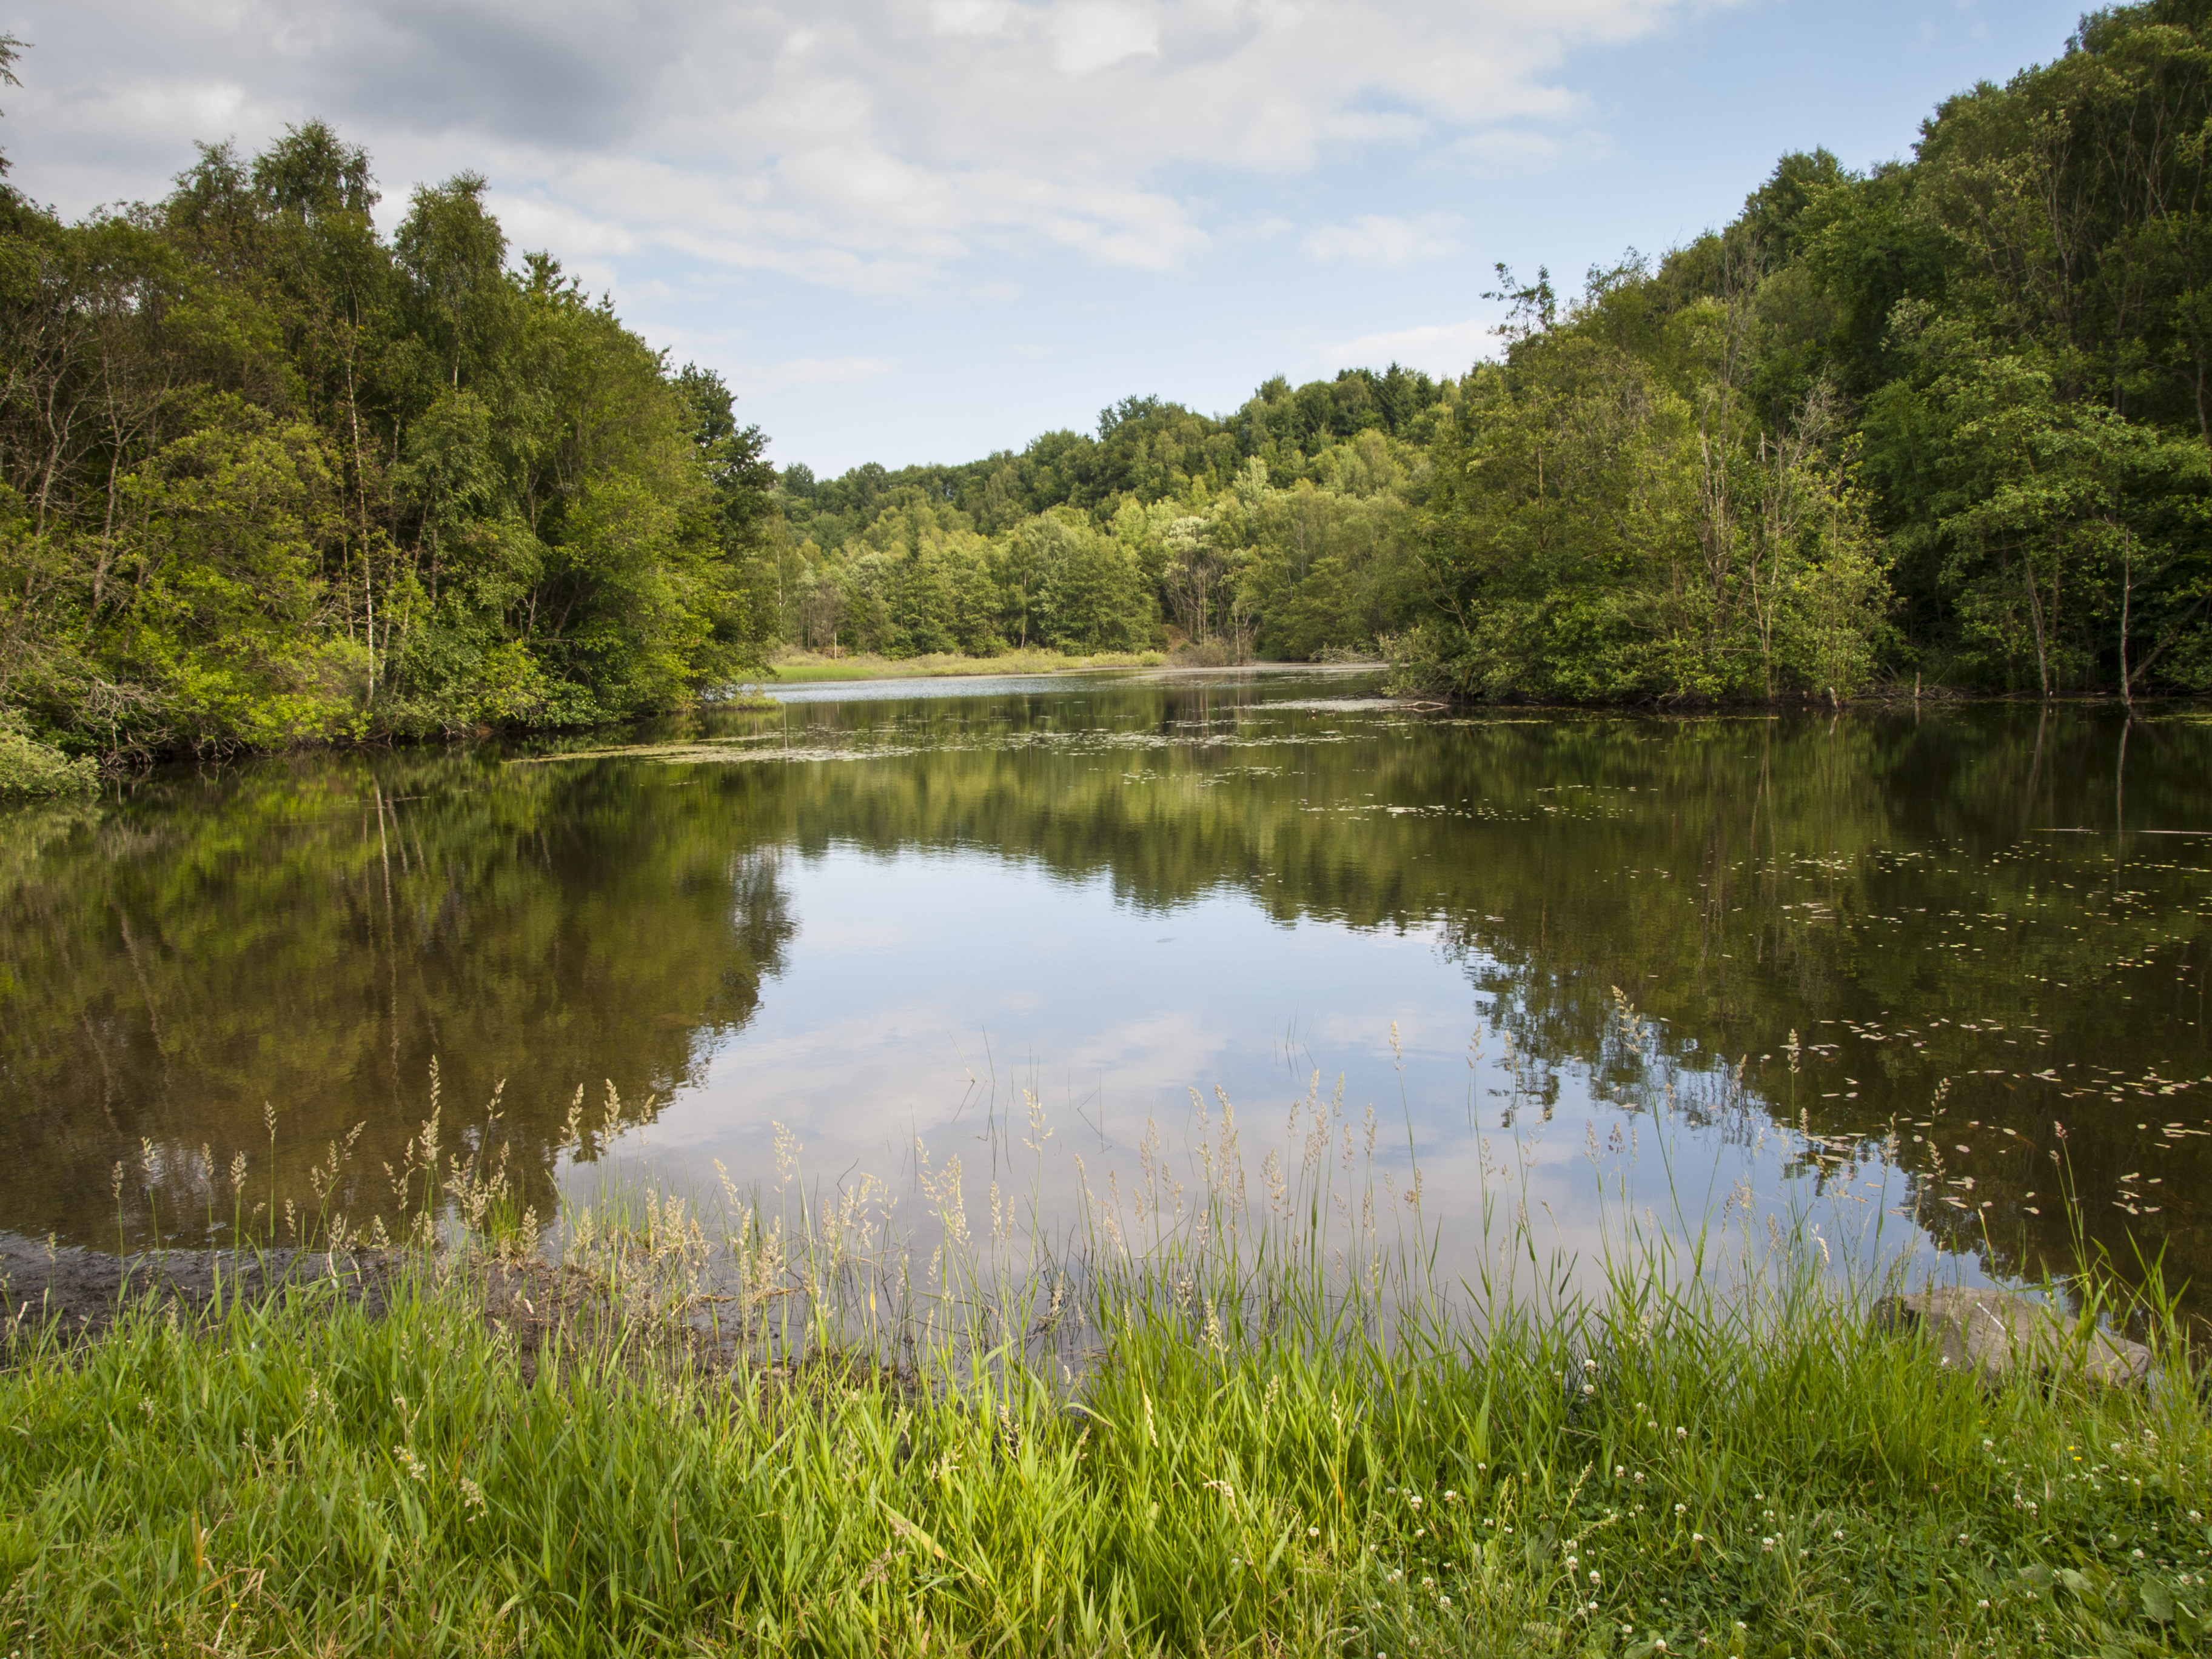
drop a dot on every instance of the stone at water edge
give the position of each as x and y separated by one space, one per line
1996 1333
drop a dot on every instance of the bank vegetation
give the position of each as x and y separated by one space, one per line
1239 1416
268 476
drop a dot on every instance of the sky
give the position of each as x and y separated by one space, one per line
923 230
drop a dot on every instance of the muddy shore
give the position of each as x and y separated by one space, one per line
77 1291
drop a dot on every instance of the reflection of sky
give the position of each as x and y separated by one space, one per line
914 979
924 992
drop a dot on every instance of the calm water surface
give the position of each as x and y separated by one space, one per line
876 916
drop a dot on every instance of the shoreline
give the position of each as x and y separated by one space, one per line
760 696
475 1457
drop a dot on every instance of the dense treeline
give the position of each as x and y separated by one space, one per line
1285 529
267 476
1949 418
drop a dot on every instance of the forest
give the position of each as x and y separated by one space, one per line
269 477
1945 420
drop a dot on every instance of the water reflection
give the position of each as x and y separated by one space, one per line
1924 939
303 937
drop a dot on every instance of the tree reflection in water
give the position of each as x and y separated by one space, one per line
1980 895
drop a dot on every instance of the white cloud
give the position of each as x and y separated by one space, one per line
1375 239
809 371
870 145
1090 35
1437 348
973 16
1375 127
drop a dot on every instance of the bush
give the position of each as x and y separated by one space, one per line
29 769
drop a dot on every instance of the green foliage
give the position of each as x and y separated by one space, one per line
30 769
1250 1460
1285 530
1948 417
2019 312
272 478
1611 519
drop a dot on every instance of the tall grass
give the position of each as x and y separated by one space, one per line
1240 1415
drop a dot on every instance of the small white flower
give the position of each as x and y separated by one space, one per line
1443 1601
1681 1433
1681 1509
1838 1535
1415 1500
1697 1538
1312 1532
1767 1544
1594 1578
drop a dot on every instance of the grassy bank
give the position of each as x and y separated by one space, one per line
800 666
1210 1448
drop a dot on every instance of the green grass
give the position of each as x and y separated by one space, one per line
1209 1424
799 666
302 1476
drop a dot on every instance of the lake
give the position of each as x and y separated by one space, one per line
1866 964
